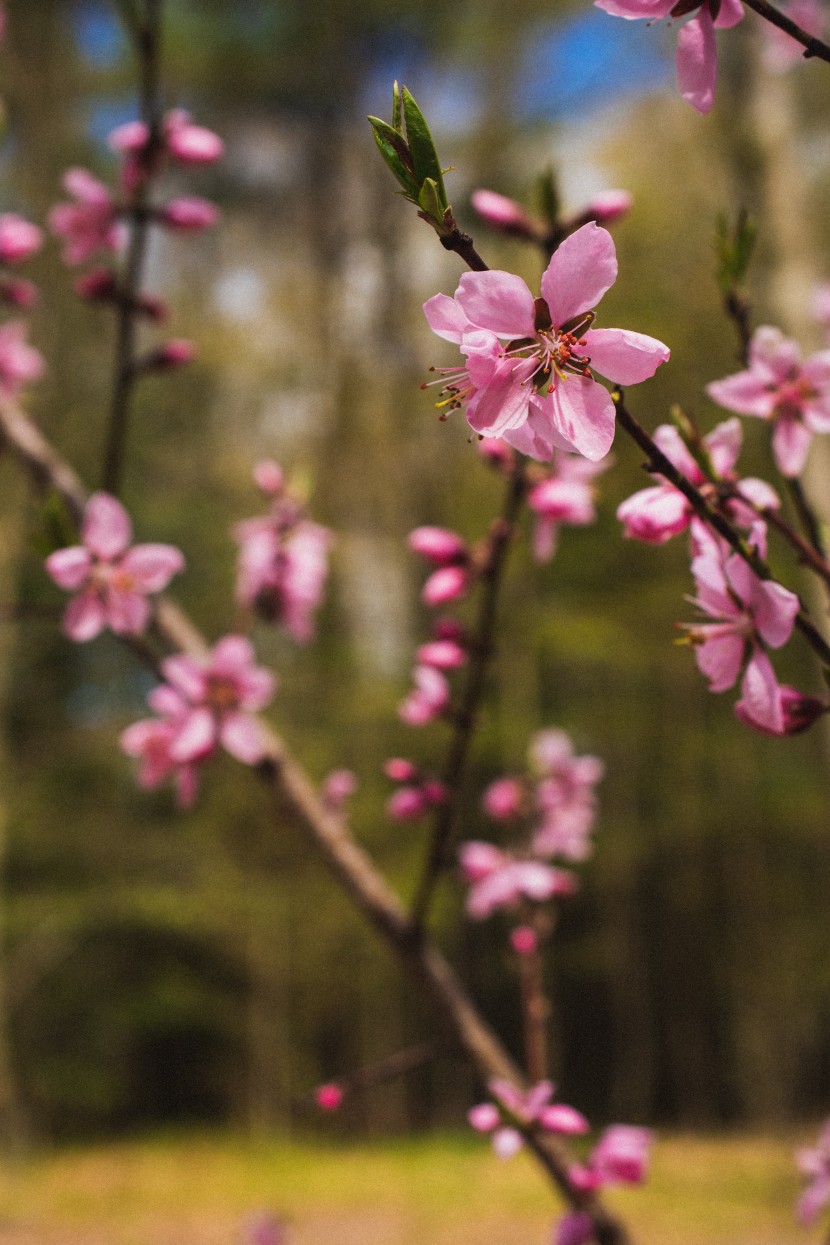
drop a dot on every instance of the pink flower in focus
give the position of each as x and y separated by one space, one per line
697 53
657 514
18 238
813 1163
537 392
223 692
749 613
111 580
779 388
19 362
566 496
91 223
283 559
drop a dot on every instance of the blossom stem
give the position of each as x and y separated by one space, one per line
536 1012
813 47
462 244
381 1071
809 553
659 464
464 721
806 516
147 37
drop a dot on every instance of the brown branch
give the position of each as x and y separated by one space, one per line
147 40
659 464
813 47
465 720
462 244
353 868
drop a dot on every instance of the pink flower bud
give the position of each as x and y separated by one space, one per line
523 940
434 791
503 799
609 205
496 452
328 1097
575 1228
177 352
189 213
18 238
446 584
193 144
443 654
400 770
438 544
559 1118
503 214
131 137
484 1118
269 477
153 307
337 787
99 285
449 629
478 860
407 804
18 292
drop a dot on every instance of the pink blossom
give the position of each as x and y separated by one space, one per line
657 514
538 391
574 1228
174 353
428 699
189 213
329 1097
18 238
697 55
19 362
609 205
813 1163
400 770
622 1154
89 224
749 613
446 584
504 799
502 881
779 388
189 143
794 712
110 579
223 691
439 545
523 940
442 654
150 742
337 788
564 798
525 1109
18 292
565 496
283 559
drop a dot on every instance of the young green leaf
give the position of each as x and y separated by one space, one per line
425 161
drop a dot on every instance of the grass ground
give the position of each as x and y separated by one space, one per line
440 1191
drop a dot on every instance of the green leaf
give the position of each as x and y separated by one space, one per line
396 155
425 161
397 109
547 192
430 202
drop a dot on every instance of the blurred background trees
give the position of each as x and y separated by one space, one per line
160 967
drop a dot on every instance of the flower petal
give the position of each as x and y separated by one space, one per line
697 61
625 357
498 301
579 273
106 529
152 566
84 618
583 415
69 568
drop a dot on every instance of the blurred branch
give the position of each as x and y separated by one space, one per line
353 868
813 47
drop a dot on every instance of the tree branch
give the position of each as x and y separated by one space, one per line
813 47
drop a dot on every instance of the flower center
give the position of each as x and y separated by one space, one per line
556 350
222 693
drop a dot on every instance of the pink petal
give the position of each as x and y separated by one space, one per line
560 1118
106 529
445 317
243 737
498 301
729 14
719 657
724 445
232 655
697 61
507 1142
777 357
760 704
579 273
624 357
583 415
152 566
483 1118
790 445
654 514
196 737
84 618
127 612
478 860
69 568
186 675
774 611
503 404
744 392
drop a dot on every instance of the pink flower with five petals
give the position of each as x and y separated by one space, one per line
111 580
528 378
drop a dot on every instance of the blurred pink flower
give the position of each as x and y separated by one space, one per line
329 1097
525 1109
19 362
779 388
565 496
428 698
89 224
18 238
564 797
781 51
110 579
538 392
189 213
813 1163
150 742
498 880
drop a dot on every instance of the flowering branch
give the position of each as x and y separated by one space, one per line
452 777
147 41
368 890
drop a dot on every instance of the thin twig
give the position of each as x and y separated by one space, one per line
147 41
813 47
465 720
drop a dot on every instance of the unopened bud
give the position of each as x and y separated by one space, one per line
18 292
18 238
177 352
189 213
504 214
